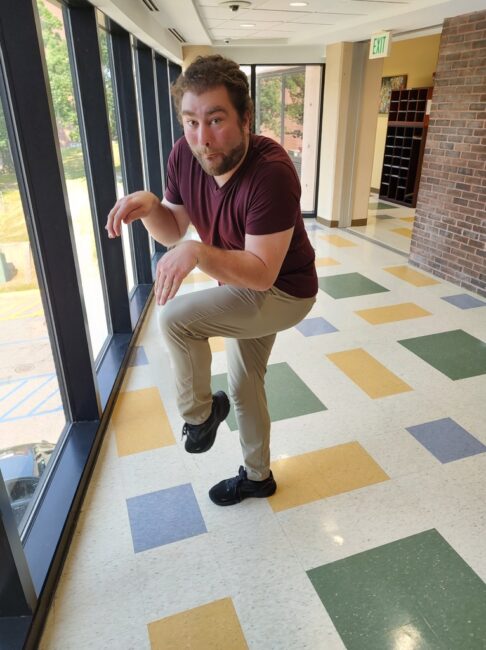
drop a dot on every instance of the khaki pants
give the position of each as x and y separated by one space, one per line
250 321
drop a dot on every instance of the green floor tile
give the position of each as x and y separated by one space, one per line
418 586
287 395
456 353
346 285
416 635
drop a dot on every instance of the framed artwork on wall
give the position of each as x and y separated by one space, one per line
387 85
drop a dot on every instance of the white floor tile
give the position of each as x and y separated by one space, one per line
108 594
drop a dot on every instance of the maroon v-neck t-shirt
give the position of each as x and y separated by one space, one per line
262 197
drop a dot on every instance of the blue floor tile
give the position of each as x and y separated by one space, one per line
464 301
138 357
315 326
446 440
313 227
155 518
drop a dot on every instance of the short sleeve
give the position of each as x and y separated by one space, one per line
172 192
274 204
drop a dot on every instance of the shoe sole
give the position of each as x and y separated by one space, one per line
210 441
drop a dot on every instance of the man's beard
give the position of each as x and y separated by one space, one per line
224 163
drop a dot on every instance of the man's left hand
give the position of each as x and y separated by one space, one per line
172 268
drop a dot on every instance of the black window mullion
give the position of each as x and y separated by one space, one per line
150 129
162 77
174 71
130 148
17 594
82 37
44 196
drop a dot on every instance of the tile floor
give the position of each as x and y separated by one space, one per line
375 538
388 223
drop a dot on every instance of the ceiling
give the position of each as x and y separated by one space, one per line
276 22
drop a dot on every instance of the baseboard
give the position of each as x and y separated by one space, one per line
326 222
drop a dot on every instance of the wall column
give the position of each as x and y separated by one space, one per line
351 98
449 235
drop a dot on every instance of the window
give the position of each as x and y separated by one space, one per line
115 140
74 171
37 92
247 70
287 109
31 412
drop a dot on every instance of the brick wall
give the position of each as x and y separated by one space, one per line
449 236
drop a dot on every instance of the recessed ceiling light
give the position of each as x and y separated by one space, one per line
248 25
298 4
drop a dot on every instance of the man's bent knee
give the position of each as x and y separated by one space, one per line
172 314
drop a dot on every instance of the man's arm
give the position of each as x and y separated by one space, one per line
256 267
166 222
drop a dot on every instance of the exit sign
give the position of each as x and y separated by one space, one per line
380 45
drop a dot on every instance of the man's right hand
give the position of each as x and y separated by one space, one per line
128 209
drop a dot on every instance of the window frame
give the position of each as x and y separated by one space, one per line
32 561
310 214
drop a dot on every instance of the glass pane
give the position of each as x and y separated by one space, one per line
138 99
31 413
247 70
294 84
115 141
269 112
74 170
140 124
287 110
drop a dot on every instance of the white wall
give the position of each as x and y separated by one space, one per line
274 54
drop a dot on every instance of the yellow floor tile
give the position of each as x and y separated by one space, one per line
336 240
196 276
140 422
392 313
324 473
295 485
406 232
368 373
326 261
210 627
410 275
217 344
407 219
347 467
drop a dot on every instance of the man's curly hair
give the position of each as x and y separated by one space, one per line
208 72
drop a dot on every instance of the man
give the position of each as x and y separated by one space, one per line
241 192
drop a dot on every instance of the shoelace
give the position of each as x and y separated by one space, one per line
185 430
236 480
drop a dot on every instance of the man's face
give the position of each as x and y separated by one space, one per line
213 130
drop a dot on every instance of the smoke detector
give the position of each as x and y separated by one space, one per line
235 5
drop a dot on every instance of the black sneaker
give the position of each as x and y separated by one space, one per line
201 437
234 490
